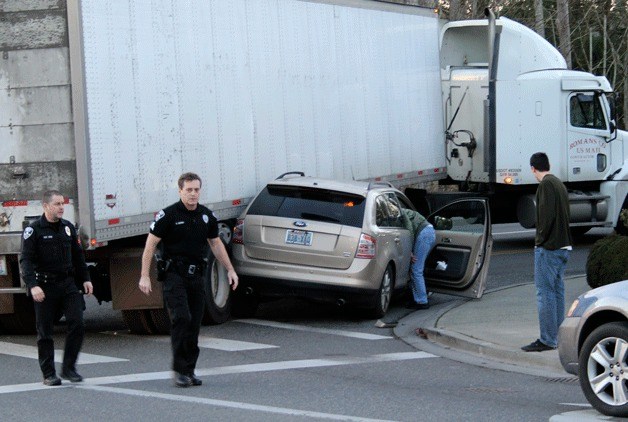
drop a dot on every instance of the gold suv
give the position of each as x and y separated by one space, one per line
345 242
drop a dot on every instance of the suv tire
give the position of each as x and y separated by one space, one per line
384 294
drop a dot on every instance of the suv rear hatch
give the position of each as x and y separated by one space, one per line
304 225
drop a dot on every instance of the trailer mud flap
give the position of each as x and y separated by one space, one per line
125 268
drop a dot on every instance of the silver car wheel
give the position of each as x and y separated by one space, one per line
604 369
386 290
224 232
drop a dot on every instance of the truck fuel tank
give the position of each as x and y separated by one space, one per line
584 207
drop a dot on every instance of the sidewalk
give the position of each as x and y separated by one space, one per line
492 328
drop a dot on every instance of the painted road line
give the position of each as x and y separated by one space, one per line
343 333
228 404
30 352
207 342
230 345
237 369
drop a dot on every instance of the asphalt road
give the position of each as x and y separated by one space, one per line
295 361
512 261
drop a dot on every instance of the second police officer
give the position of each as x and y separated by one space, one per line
185 230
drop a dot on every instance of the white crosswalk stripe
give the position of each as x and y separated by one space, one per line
208 342
30 352
227 370
228 404
295 327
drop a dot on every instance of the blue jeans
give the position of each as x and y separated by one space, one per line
423 244
549 267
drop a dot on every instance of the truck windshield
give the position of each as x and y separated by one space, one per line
585 110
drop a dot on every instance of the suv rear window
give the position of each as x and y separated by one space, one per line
310 204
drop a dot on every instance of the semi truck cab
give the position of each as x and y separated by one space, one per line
507 93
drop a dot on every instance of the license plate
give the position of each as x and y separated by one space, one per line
299 237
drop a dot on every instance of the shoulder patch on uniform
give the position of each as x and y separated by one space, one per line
152 226
160 215
28 232
205 218
67 231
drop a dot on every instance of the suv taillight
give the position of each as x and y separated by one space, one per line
238 235
366 247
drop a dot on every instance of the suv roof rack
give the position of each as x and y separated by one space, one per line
375 184
300 173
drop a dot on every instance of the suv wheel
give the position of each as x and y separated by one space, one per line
603 370
384 294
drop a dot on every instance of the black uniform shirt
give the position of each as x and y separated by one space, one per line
51 248
184 233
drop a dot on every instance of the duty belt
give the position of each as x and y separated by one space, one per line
50 277
185 269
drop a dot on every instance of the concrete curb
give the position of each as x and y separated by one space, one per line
454 345
516 358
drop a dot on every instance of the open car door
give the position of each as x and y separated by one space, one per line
458 263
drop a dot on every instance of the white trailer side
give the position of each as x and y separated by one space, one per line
110 102
242 91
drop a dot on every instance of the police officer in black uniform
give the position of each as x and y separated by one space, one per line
185 229
50 262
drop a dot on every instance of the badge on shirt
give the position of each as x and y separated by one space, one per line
27 232
67 231
160 215
205 218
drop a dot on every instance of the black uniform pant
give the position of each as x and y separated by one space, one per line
185 299
64 296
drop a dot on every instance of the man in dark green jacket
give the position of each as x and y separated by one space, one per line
551 252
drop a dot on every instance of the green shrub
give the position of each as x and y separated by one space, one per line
608 261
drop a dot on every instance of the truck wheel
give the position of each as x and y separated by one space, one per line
217 293
137 321
22 320
602 362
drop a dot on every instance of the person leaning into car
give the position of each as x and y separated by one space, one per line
552 244
424 237
51 261
185 229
